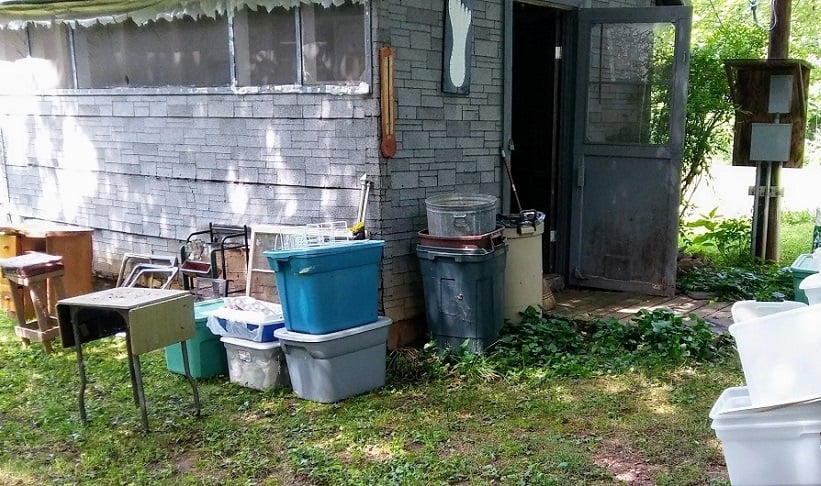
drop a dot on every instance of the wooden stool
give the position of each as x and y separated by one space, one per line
34 270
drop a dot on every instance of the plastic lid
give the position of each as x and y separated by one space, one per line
805 262
744 310
244 343
286 335
332 249
811 282
203 309
735 402
529 217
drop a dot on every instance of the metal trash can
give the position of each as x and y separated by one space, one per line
464 291
523 272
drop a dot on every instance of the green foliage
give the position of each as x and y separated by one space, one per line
795 236
805 31
762 282
536 341
659 335
725 241
653 339
797 217
733 274
709 107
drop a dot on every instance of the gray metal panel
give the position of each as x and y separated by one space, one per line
770 142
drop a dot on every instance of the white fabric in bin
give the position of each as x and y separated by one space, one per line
234 317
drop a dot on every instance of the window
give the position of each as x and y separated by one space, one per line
628 93
49 63
265 47
333 44
12 45
162 53
308 45
13 49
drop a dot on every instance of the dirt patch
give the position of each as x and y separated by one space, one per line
185 462
625 464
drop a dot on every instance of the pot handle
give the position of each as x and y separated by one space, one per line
460 221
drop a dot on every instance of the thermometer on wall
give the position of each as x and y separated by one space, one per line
387 102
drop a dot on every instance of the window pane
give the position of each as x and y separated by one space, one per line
50 63
182 52
12 51
628 94
265 47
12 44
333 44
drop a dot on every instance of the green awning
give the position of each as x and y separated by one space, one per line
16 14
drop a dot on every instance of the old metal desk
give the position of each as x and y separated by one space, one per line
150 318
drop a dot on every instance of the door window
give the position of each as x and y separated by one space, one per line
630 76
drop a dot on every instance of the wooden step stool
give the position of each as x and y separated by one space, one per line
35 270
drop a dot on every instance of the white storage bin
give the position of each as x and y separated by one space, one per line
744 310
780 355
330 367
771 445
255 365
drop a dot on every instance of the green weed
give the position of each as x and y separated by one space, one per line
563 347
733 273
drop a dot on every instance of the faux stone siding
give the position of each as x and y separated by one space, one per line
144 171
444 142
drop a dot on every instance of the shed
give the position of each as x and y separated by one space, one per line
146 120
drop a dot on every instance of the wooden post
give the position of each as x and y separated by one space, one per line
767 224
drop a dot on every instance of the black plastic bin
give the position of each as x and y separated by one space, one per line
464 295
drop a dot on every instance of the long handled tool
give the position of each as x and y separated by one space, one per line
505 156
358 228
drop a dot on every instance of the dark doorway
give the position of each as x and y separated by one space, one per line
537 35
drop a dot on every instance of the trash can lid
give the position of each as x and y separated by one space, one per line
528 217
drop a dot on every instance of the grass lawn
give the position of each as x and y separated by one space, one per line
469 425
470 422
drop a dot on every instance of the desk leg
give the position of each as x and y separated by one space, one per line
187 367
131 371
75 327
135 359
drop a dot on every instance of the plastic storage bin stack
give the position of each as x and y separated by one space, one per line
254 356
462 256
770 428
334 341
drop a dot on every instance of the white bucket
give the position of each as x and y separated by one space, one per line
780 355
775 446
